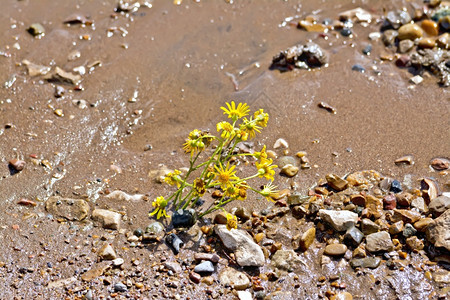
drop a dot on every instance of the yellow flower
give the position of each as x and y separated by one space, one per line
195 134
231 191
173 178
242 135
224 177
159 204
242 192
234 112
265 168
268 190
190 146
262 154
261 117
199 187
231 221
226 128
250 127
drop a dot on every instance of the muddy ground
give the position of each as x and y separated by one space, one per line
163 71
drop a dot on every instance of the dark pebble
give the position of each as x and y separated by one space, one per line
346 31
327 21
138 232
409 231
353 237
183 218
367 50
396 186
195 277
403 61
358 68
175 242
59 91
120 287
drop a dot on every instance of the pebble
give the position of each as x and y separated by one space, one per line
397 18
312 27
286 160
403 61
367 49
70 209
368 226
335 249
419 203
184 218
407 159
430 27
289 170
353 237
244 295
346 32
280 143
204 267
36 29
422 224
26 202
108 219
396 228
17 164
410 32
389 202
106 252
207 256
366 262
358 199
409 230
439 205
427 43
339 220
174 242
414 243
336 182
438 231
379 241
195 277
396 186
120 287
236 279
443 41
407 216
358 68
174 267
342 296
404 199
416 79
307 238
440 164
389 37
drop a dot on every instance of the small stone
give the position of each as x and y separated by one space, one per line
184 218
174 267
281 143
443 42
242 213
289 170
335 249
286 160
36 29
108 219
407 216
414 243
59 91
174 242
368 226
427 43
410 32
26 202
120 287
396 186
397 18
419 203
430 27
61 76
357 15
438 231
409 230
404 199
208 280
336 182
285 260
195 277
405 160
220 218
374 206
422 224
207 256
405 45
367 49
389 202
70 209
359 252
312 27
307 238
358 68
342 296
440 164
259 237
366 262
117 262
396 228
439 205
379 241
416 79
96 271
429 188
234 278
358 199
297 198
204 267
346 32
106 252
403 61
244 295
353 237
389 37
339 220
17 164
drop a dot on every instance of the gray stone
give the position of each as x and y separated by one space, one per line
340 220
247 252
204 267
353 236
439 205
296 198
368 226
285 260
366 262
286 160
379 241
234 278
438 231
409 231
120 287
70 209
108 219
173 266
405 45
106 252
389 37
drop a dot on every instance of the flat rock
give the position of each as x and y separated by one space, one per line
368 226
439 205
59 75
285 260
379 241
204 267
336 182
244 295
335 249
234 278
96 271
247 252
366 262
340 220
438 231
108 219
405 215
70 209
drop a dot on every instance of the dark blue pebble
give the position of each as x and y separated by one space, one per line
183 218
120 287
358 68
346 31
367 49
396 186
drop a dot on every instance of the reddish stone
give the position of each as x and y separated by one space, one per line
389 202
403 61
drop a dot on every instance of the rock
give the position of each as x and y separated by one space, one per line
430 189
414 243
438 231
70 209
409 230
289 170
389 37
397 18
342 296
336 182
443 42
244 295
66 282
357 15
300 56
389 202
154 231
410 32
117 262
379 241
96 271
353 237
396 228
299 211
234 278
419 203
396 186
61 76
422 224
374 206
416 79
358 199
280 143
184 218
368 226
174 242
359 252
247 252
430 27
439 205
312 27
404 199
243 213
335 249
403 61
339 220
285 260
174 267
427 43
108 219
204 267
26 202
36 29
307 238
106 252
195 277
366 262
35 69
17 164
220 218
207 256
443 277
358 68
296 198
120 287
280 295
440 164
407 216
403 47
407 159
122 196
